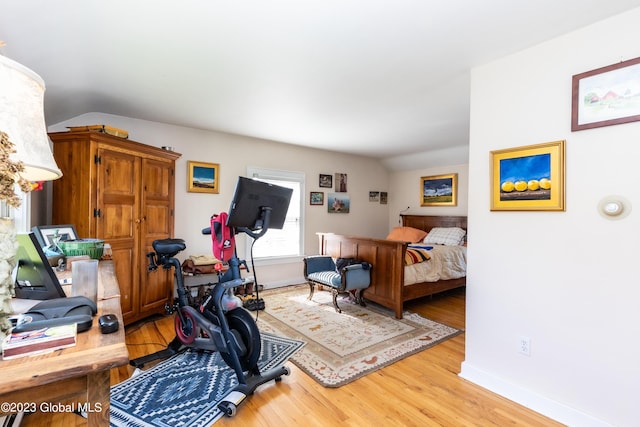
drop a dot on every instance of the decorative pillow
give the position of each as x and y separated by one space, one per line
407 234
448 236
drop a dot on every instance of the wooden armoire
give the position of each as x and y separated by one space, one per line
123 192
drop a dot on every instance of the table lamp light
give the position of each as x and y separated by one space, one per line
22 120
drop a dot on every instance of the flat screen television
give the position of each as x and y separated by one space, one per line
249 200
35 279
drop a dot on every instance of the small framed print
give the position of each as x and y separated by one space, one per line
203 177
48 235
326 181
338 203
341 183
316 198
383 197
374 196
529 178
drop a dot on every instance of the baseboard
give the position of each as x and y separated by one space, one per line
282 283
543 405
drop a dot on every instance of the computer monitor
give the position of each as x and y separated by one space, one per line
35 279
249 199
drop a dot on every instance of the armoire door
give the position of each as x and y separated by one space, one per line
157 185
118 220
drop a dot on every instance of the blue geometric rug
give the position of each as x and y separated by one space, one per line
185 389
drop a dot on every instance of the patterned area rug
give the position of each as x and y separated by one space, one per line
185 390
342 347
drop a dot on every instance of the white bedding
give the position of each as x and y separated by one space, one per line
447 262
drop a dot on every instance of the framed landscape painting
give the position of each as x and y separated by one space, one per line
529 178
439 190
606 96
203 177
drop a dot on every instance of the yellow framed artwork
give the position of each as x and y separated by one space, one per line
439 190
529 178
203 177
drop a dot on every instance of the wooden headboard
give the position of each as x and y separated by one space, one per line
426 223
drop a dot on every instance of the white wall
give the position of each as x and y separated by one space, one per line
567 280
234 153
405 192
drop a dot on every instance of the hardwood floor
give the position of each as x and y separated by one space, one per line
421 390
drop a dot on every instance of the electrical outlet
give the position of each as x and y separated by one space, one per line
524 346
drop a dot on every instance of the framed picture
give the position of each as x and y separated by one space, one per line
316 198
374 196
203 177
528 178
439 190
47 234
606 96
383 197
341 183
326 181
338 203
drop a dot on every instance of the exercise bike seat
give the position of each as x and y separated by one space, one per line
168 247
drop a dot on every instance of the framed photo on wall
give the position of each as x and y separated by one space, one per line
203 177
529 178
341 183
439 190
325 181
316 198
338 203
606 96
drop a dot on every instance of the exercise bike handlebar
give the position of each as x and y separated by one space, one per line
261 224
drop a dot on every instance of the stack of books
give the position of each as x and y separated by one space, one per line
45 340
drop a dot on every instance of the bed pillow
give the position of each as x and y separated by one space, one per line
448 236
407 234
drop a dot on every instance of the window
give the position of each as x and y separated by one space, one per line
20 214
287 242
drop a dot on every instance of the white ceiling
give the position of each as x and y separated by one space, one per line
387 79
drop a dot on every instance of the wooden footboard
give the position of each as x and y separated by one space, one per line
387 257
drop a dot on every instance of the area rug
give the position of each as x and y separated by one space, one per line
342 347
185 390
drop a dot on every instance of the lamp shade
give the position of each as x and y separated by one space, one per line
22 119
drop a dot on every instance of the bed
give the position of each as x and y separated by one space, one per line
391 279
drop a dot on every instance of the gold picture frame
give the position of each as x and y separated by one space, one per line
203 177
529 178
439 190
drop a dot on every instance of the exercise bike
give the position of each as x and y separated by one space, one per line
213 327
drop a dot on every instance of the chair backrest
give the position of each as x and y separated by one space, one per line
313 264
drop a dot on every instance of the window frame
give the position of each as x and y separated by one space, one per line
280 175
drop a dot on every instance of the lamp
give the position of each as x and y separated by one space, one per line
400 214
22 120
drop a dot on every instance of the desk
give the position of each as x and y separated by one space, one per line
76 378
